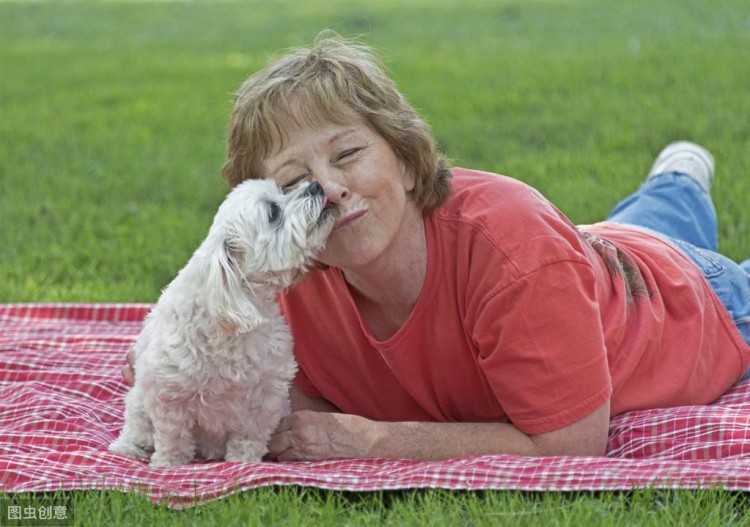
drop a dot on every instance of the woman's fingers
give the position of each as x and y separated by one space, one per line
128 375
128 372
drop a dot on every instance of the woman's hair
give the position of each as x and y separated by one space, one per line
334 81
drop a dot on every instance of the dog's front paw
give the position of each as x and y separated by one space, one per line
243 458
127 448
159 459
211 452
245 450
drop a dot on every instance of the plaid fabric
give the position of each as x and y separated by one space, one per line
61 404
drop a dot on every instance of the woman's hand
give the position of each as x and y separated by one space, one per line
308 436
128 371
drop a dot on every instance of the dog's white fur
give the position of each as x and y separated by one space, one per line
214 361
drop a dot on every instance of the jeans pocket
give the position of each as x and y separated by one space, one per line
706 260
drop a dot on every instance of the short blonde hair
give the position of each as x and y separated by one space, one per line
333 81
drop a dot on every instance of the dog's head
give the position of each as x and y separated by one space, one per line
260 242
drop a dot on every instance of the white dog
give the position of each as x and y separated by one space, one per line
214 360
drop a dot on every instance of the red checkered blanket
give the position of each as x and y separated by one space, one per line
61 404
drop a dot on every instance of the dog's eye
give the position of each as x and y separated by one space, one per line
274 212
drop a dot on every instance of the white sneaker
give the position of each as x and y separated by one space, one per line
688 158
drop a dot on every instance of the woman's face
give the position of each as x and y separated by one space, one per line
361 176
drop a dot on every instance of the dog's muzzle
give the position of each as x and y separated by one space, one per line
315 190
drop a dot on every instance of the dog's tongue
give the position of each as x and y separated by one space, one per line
328 206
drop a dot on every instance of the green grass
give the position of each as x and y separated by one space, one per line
112 135
294 506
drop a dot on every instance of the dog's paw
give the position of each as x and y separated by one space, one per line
243 458
211 452
126 448
159 459
245 450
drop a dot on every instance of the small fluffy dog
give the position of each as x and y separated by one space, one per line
214 360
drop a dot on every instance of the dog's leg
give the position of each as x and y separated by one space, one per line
244 446
210 445
173 436
251 442
137 436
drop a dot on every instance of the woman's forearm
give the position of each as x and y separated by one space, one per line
585 437
312 435
420 440
432 441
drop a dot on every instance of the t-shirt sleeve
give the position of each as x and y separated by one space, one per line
541 346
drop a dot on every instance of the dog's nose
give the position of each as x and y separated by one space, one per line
314 189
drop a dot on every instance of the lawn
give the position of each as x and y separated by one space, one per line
112 135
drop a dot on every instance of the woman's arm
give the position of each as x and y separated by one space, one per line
309 435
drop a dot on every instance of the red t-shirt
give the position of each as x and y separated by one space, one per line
523 318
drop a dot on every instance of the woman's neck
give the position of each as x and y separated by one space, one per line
387 289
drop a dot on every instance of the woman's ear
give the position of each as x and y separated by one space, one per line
407 176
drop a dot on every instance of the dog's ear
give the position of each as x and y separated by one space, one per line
226 298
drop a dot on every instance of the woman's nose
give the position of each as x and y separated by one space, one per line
334 185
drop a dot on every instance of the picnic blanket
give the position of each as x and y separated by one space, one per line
62 403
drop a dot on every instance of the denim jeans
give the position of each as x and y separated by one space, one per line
680 211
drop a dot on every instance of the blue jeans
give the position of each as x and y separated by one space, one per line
679 210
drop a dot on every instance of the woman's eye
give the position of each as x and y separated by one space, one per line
347 153
289 185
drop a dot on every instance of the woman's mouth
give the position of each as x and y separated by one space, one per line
349 219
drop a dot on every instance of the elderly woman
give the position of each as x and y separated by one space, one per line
457 312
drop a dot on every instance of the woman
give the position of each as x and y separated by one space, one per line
456 312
